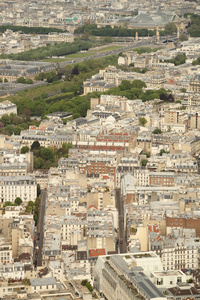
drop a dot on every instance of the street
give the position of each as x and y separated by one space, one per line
122 243
40 229
135 44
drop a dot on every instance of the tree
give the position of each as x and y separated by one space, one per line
163 97
5 80
47 154
24 150
26 113
183 90
85 36
38 190
38 163
18 201
144 162
157 131
108 39
125 85
21 80
29 207
142 121
170 28
5 119
183 37
35 145
170 98
83 282
29 81
7 203
162 151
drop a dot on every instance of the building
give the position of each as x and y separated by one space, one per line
194 85
12 187
43 284
7 107
124 276
161 179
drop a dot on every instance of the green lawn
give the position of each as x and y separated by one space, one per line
70 56
110 48
80 54
54 59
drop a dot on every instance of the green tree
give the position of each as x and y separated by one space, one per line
29 81
29 207
35 145
21 80
142 121
47 154
170 28
144 162
5 119
183 90
18 201
108 39
183 37
157 131
38 190
5 80
8 203
38 163
162 151
24 149
125 85
147 154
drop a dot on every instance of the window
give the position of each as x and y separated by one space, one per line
179 279
159 281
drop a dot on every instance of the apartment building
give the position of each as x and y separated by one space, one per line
194 85
144 141
100 230
175 117
14 270
5 251
12 187
195 121
161 179
125 276
73 229
176 251
99 162
45 140
7 107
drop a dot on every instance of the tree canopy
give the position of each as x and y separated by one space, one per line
27 30
157 131
18 201
24 149
142 121
59 49
170 28
108 31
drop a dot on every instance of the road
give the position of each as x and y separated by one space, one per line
130 46
40 229
122 243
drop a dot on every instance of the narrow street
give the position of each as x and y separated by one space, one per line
122 243
40 228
